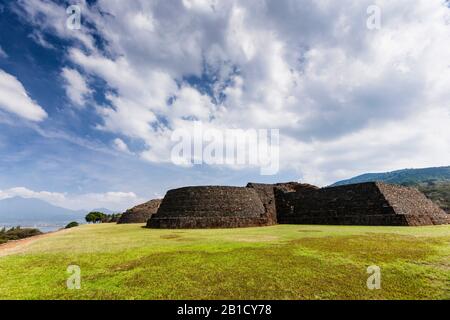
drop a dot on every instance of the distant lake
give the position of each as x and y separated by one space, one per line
43 227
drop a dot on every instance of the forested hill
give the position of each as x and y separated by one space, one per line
434 182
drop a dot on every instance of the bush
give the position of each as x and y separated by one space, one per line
111 217
17 233
99 217
72 224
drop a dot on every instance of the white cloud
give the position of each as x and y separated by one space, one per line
376 148
52 197
120 145
76 87
39 38
14 99
346 99
3 53
51 18
111 200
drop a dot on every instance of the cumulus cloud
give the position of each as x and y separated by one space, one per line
111 200
14 99
76 86
345 98
52 197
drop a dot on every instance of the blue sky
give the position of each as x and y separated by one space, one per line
86 115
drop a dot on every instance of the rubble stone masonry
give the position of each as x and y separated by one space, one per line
370 203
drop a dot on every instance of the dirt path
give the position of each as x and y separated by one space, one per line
15 246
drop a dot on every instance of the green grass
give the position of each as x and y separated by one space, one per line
280 262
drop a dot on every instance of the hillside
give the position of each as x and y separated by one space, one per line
279 262
434 182
439 192
19 211
404 177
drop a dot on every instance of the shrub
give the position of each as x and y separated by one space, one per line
72 224
111 217
17 233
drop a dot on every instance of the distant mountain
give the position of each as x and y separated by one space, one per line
25 211
104 210
434 182
403 177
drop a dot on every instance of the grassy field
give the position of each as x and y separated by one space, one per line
280 262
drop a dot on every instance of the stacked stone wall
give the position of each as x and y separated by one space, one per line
358 204
370 203
140 213
416 208
210 207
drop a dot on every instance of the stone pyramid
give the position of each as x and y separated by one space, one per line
371 203
140 213
210 207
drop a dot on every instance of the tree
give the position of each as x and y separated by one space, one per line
90 217
112 217
100 217
94 217
72 225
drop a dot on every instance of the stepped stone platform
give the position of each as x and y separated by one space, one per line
268 193
372 203
140 213
210 207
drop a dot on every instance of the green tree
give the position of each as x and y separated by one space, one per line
95 217
72 225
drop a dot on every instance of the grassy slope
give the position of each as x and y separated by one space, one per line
280 262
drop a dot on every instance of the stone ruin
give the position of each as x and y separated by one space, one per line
140 213
210 207
268 195
373 203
